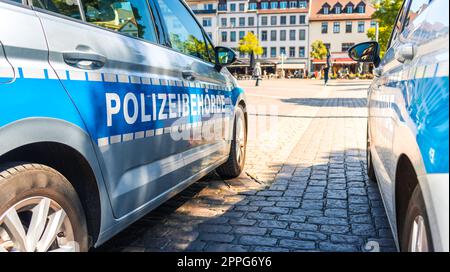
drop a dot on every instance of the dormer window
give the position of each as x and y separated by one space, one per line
349 9
293 4
273 5
326 10
337 10
361 8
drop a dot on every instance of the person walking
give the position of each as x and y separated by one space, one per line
327 67
257 73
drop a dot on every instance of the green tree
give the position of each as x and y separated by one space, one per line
318 50
385 15
250 45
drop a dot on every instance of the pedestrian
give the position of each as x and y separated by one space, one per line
257 73
327 67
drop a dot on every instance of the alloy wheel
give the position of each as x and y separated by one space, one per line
36 224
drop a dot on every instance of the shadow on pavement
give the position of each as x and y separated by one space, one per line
323 207
328 102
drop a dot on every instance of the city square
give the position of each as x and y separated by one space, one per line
304 188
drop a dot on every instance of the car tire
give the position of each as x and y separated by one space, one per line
234 166
370 168
415 219
39 210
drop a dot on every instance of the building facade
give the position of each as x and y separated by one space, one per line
281 27
340 24
206 13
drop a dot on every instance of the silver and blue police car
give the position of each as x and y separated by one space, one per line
107 109
408 124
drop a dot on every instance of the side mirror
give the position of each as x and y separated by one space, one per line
224 56
365 52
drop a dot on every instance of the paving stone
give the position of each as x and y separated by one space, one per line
260 216
307 212
221 247
297 244
336 194
276 210
292 218
249 230
270 249
334 229
327 220
358 200
315 189
336 213
288 204
336 204
282 233
216 237
361 218
337 186
303 226
312 204
312 236
363 229
358 209
257 240
313 196
290 192
262 203
273 224
242 221
347 239
247 208
269 193
214 228
326 246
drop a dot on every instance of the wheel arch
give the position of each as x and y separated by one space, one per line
55 143
406 180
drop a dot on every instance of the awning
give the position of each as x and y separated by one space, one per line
292 66
335 61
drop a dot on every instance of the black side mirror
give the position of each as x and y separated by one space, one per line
224 56
365 52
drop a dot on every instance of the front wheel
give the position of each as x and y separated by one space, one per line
416 231
234 166
39 211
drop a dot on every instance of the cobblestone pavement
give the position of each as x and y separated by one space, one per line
305 186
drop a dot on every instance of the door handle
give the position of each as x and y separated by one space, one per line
404 52
188 75
84 60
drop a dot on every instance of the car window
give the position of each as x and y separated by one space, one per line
65 7
398 27
185 34
415 9
128 17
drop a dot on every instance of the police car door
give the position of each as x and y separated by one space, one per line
122 82
208 92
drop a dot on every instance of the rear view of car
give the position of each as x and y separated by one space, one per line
408 126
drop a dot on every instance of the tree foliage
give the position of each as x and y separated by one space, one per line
250 44
385 15
318 50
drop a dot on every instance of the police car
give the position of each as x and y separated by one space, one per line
108 108
408 124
